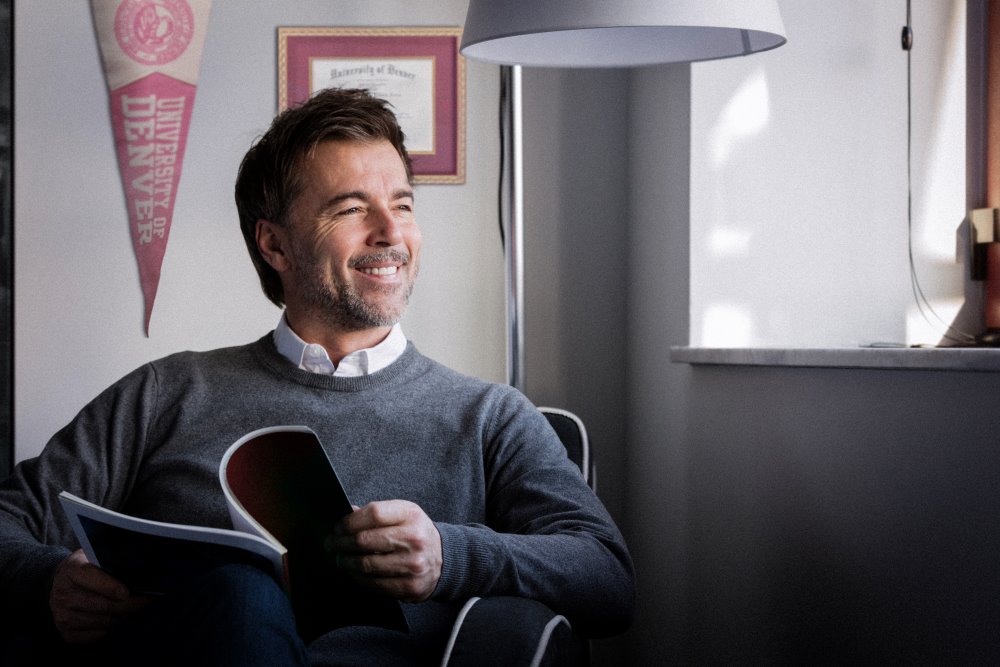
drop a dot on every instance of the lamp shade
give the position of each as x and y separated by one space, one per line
618 33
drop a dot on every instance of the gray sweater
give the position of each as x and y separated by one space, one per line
514 514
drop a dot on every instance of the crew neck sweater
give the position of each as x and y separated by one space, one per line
514 514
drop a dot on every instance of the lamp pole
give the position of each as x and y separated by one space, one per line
512 185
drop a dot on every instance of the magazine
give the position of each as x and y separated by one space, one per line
284 498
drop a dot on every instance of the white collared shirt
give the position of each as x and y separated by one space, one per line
314 358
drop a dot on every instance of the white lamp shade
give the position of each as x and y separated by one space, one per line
618 33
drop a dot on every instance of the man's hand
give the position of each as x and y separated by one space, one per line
393 546
86 601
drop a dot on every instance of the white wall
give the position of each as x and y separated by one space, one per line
78 320
792 516
799 181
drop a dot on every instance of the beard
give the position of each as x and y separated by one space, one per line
341 305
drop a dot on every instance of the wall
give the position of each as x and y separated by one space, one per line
799 182
855 526
575 228
793 516
576 264
78 306
657 492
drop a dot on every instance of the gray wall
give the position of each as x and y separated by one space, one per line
841 516
576 257
792 515
775 515
575 253
657 506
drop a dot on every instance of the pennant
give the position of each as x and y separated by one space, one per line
151 50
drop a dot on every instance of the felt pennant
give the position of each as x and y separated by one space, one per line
151 50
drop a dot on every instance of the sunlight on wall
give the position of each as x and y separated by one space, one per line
926 327
743 117
729 241
727 326
939 195
939 198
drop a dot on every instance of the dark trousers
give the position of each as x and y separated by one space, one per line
238 616
234 615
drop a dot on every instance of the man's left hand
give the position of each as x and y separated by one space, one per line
393 546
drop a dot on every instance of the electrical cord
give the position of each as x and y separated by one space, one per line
923 304
502 180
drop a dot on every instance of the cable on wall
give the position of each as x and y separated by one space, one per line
504 132
923 304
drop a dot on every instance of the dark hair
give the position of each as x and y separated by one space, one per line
267 183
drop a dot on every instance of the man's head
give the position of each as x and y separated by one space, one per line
270 177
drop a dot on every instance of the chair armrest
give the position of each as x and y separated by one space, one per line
512 631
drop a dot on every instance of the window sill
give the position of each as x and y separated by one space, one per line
923 359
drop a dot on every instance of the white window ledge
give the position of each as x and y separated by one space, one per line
921 358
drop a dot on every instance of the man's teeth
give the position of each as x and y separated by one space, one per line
380 271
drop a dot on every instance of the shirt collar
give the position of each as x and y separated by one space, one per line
314 358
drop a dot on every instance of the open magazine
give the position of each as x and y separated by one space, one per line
284 499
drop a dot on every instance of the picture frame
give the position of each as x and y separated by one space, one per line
419 71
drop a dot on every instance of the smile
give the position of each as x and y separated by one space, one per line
380 271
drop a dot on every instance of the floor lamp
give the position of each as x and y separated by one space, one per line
593 33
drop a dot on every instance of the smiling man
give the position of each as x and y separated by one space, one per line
464 490
348 254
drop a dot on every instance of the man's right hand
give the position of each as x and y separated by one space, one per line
86 601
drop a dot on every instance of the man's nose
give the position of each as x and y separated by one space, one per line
385 229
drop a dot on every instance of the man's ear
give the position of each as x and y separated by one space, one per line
272 241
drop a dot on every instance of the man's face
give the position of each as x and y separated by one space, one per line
354 242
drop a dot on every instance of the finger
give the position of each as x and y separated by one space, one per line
80 573
73 591
86 601
409 537
86 624
98 583
361 541
402 578
399 562
372 565
377 514
130 605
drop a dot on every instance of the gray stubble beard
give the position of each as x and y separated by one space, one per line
347 309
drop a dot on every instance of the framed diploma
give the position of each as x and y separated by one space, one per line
417 70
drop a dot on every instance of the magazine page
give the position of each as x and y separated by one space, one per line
153 557
280 481
275 476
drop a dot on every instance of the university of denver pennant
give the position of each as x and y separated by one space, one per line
151 50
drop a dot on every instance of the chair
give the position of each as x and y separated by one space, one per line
573 434
543 637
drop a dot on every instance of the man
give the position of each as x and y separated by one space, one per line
464 489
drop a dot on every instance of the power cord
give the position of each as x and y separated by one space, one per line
923 304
